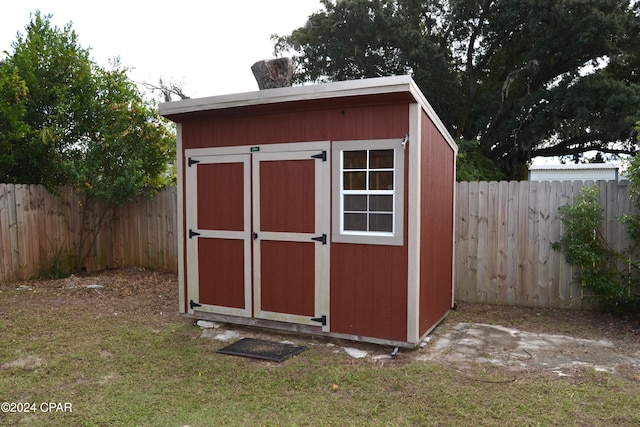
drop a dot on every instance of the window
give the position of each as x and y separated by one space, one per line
368 191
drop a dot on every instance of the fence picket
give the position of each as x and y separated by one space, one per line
544 244
502 242
555 259
511 212
462 240
504 232
483 256
472 242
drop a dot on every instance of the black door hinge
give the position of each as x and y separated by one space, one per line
322 239
322 156
194 304
322 320
255 236
192 162
193 233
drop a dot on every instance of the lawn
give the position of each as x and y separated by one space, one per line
119 354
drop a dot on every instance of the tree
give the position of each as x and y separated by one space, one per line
13 92
473 166
69 123
524 78
57 75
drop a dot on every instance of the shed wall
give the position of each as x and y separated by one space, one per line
335 124
436 234
368 282
369 286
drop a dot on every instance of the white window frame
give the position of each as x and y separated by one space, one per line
396 237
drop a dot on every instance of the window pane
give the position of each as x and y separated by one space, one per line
355 222
381 222
381 180
381 159
355 159
355 203
380 203
355 180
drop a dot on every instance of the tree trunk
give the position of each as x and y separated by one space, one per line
273 73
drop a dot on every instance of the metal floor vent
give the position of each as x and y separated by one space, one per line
259 349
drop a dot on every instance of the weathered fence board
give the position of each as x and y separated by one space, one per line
504 232
38 228
519 227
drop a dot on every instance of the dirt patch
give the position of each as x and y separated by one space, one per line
28 363
130 292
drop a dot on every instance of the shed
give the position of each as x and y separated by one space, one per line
325 209
574 172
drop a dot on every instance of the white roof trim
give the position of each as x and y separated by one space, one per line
379 85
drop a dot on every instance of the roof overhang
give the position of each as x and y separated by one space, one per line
380 89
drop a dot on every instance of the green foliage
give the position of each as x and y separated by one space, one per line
13 98
129 152
72 123
57 74
632 220
66 122
585 247
60 265
525 78
471 165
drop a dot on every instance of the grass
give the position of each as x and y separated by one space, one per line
125 359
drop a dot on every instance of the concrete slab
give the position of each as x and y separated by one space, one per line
497 345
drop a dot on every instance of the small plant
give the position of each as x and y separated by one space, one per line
60 265
610 275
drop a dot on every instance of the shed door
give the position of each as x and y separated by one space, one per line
291 227
218 241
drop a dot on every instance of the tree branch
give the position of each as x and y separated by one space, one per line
166 90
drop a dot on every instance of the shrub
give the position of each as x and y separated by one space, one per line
610 275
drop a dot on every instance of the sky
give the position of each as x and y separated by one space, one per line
207 47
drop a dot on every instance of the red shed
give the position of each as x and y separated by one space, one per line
326 209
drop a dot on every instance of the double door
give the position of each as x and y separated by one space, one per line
257 224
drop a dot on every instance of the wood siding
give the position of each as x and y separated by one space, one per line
436 233
335 124
221 272
287 279
278 191
369 290
216 182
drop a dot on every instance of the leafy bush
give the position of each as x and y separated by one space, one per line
584 246
471 165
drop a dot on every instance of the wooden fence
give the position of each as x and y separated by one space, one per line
38 229
504 232
503 240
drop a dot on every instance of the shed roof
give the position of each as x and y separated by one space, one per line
380 89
